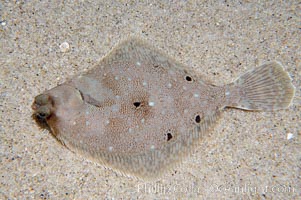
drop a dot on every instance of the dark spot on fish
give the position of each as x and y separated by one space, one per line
137 104
188 78
198 119
169 136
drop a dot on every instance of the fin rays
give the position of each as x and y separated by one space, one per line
267 87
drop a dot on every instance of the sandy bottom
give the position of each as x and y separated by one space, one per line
249 155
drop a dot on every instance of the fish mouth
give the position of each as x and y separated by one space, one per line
42 107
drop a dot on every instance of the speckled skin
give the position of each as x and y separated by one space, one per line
140 112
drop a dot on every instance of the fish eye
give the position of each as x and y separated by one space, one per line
41 115
43 112
42 99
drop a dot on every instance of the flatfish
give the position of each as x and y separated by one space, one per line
140 112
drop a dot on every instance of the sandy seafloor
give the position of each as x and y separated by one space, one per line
247 156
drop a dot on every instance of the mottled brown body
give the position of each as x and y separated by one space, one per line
140 112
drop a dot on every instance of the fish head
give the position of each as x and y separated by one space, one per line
60 102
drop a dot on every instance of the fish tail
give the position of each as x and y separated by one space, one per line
265 88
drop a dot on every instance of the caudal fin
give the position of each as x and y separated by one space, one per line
267 87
